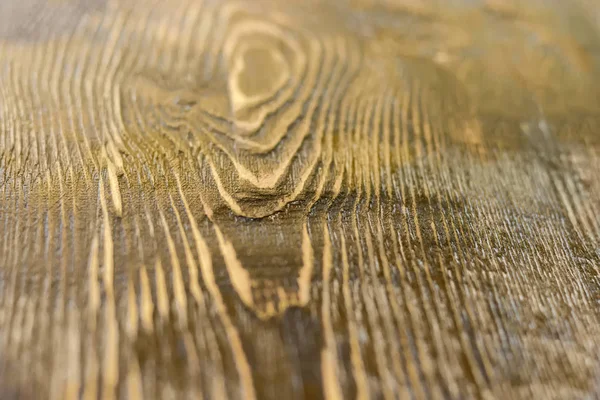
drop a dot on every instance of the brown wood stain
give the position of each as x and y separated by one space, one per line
299 199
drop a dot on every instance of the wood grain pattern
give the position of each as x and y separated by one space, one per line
299 199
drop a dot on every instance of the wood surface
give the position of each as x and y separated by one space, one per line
372 199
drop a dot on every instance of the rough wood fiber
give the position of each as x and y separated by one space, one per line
299 199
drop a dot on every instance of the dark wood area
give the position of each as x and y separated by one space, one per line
393 199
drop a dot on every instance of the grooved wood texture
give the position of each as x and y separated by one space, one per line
299 199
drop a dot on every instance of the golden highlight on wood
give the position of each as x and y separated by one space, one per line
261 199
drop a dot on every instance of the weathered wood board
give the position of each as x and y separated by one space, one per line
299 199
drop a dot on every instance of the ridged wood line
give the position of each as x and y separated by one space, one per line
299 199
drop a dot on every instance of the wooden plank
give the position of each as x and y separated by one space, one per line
299 199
